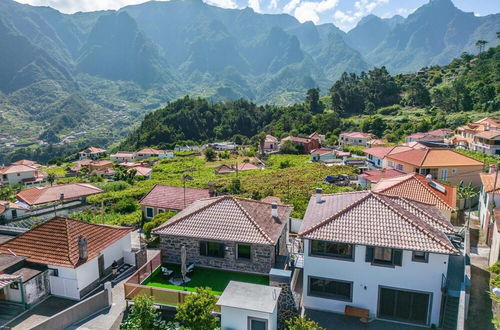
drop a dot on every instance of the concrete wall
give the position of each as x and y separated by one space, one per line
237 319
263 258
37 288
77 312
367 278
495 245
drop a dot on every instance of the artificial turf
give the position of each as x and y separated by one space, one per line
215 279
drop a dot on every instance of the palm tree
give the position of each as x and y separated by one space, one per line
480 44
467 192
51 178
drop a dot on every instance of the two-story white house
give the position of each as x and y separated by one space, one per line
382 253
21 174
489 200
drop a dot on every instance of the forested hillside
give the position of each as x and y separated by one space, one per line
375 101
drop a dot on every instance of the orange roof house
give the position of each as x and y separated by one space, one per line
443 164
43 195
171 197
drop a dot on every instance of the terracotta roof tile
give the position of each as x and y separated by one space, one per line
415 187
247 167
228 218
357 135
42 195
93 150
375 176
17 169
373 219
26 162
434 158
172 197
55 242
150 151
143 171
379 152
296 139
322 151
488 181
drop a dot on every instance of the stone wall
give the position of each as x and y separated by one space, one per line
263 258
287 303
37 288
141 257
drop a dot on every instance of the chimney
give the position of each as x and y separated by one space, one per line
493 168
61 197
318 195
6 205
274 209
211 189
82 249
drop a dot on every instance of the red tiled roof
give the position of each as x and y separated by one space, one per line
172 197
17 169
228 218
374 176
376 142
434 158
372 219
488 181
93 150
100 162
55 242
357 134
296 139
26 162
322 151
416 187
224 169
379 152
143 171
150 151
247 167
271 138
42 195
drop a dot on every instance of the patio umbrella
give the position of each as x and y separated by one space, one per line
183 261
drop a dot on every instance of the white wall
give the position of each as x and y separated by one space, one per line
237 319
13 178
411 275
117 250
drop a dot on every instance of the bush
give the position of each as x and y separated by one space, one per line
209 154
285 164
356 150
196 311
224 155
143 315
158 220
126 205
115 186
390 110
289 147
302 323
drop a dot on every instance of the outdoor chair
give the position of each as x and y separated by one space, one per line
167 272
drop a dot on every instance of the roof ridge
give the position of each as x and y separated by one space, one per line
68 243
418 223
262 232
414 177
262 202
345 209
171 223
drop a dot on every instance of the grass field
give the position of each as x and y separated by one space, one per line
215 279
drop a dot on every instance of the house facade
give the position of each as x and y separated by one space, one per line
442 164
487 142
164 198
354 255
92 153
228 233
123 157
355 139
10 211
466 135
306 145
271 144
78 255
25 175
323 155
489 202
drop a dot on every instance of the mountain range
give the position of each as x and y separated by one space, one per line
93 74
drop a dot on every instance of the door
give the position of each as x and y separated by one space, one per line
100 261
2 294
404 306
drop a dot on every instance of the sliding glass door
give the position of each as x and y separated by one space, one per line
404 306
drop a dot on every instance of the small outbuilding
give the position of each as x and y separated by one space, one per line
249 306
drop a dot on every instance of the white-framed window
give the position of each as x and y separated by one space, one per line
444 174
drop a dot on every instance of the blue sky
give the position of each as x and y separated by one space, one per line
343 13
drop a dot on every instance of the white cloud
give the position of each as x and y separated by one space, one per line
348 19
230 4
72 6
255 5
273 4
309 11
289 7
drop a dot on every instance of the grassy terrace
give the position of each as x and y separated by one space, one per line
216 279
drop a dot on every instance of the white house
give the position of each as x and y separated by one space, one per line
10 211
373 251
123 156
21 174
92 153
489 201
79 255
246 306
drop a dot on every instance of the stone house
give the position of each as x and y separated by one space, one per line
229 233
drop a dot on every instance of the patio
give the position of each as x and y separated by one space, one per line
337 321
216 279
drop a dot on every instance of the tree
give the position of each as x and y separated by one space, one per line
417 94
209 154
302 323
481 44
196 311
313 102
143 315
51 178
288 147
235 186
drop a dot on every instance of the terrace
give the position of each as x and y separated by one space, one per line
149 280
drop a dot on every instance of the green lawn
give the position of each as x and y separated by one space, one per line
216 279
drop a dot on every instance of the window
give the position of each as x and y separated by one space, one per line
14 214
161 210
212 249
18 174
244 252
256 323
331 249
53 272
399 167
444 174
14 285
330 289
384 256
402 305
149 212
419 256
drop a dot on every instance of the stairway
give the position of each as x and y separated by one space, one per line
450 313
